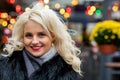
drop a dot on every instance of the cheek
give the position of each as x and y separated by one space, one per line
26 41
47 41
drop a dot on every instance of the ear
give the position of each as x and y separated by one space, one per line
52 36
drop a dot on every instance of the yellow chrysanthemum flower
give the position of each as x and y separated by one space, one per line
113 37
106 37
107 31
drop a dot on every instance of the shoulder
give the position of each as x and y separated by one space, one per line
9 62
61 69
2 58
58 62
9 66
14 55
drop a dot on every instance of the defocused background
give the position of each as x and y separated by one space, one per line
80 17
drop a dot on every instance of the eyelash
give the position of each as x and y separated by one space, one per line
28 35
40 35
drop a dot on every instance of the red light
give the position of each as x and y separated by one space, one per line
68 9
0 14
20 12
18 8
88 7
86 12
11 1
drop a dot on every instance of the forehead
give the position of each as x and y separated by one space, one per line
33 26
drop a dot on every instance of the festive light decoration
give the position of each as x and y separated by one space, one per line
66 15
46 1
62 11
1 20
98 12
11 1
10 26
57 5
4 15
12 21
93 8
4 23
68 10
74 2
0 14
115 8
27 8
7 31
18 8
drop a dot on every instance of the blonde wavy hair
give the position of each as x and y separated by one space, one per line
53 25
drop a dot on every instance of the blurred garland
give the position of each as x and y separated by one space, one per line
3 38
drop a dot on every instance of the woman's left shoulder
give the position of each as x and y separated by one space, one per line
62 69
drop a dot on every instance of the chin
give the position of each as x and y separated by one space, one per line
36 55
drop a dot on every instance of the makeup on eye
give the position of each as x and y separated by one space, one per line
39 34
28 35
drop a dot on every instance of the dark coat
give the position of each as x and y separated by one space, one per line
13 68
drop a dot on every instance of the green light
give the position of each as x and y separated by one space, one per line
98 12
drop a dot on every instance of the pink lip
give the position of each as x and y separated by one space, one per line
35 48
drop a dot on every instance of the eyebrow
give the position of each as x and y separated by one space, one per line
40 31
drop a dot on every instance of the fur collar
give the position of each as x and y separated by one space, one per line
54 69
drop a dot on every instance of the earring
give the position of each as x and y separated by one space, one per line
52 44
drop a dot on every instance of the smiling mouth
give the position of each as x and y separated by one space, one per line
36 48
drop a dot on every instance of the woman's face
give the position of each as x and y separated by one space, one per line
36 41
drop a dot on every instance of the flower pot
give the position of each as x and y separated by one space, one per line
107 48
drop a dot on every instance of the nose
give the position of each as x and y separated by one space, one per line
35 40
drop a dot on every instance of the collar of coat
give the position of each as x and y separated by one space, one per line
13 68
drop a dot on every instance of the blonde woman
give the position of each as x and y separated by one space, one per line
40 49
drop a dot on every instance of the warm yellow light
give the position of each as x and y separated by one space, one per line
74 2
10 26
4 15
4 23
62 11
12 21
115 8
46 1
90 12
57 5
27 8
1 20
93 8
66 15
